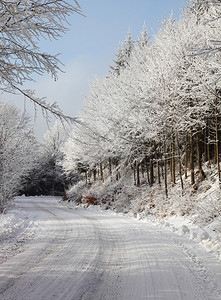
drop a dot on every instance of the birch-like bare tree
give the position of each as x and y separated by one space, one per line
22 24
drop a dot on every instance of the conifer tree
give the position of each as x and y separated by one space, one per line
123 55
144 39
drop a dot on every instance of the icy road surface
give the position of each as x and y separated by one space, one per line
88 254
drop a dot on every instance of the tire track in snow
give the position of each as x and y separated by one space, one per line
202 276
90 255
200 266
23 267
106 265
148 259
47 282
36 254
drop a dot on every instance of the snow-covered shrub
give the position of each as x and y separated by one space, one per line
75 193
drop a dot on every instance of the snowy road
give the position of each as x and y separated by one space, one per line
86 254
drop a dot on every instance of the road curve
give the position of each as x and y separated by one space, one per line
87 254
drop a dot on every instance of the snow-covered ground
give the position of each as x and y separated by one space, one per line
195 212
52 250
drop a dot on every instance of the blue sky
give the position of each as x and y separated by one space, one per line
89 47
107 23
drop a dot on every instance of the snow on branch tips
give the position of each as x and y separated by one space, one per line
208 13
23 24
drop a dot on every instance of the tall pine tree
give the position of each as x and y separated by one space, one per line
123 55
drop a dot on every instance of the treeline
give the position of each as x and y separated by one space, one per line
157 113
26 165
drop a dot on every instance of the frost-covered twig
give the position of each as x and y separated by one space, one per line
23 24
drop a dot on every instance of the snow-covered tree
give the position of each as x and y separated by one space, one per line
208 12
123 54
47 176
22 25
161 107
144 39
18 151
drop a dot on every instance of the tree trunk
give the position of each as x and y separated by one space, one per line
186 156
199 161
142 168
117 170
110 169
151 172
95 174
147 170
165 167
157 161
162 165
208 145
173 174
215 154
89 176
192 159
217 137
171 168
205 144
118 176
138 174
134 169
101 172
179 158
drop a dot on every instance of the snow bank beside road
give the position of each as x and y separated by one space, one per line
15 229
208 236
